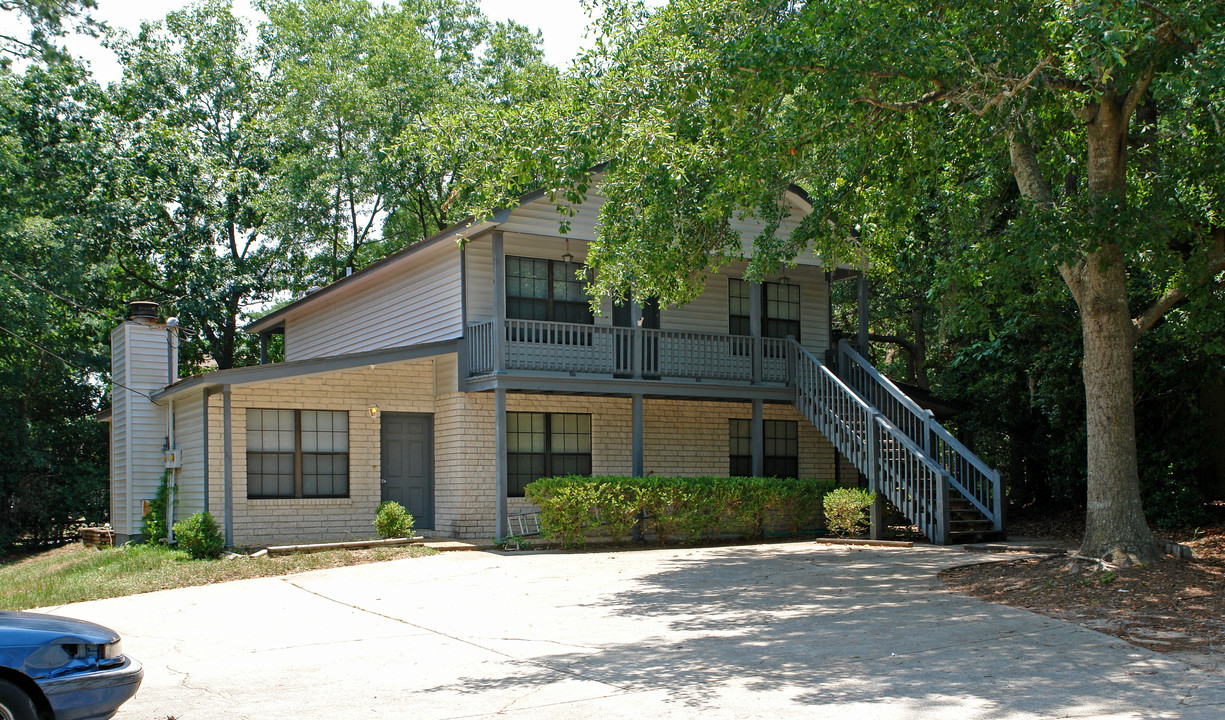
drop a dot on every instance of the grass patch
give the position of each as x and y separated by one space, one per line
73 574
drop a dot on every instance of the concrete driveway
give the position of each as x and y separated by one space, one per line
770 631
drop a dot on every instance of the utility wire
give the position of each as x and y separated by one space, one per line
71 364
54 294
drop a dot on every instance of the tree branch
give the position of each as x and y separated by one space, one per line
141 278
931 97
1027 172
1173 296
1008 93
1136 94
901 342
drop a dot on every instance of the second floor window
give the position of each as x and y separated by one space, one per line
546 290
780 309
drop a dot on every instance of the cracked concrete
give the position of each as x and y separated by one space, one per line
768 631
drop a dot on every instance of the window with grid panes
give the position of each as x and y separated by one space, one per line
780 310
325 453
546 290
270 453
781 446
740 447
544 445
297 453
738 307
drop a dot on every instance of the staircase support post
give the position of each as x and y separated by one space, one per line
943 515
997 506
877 515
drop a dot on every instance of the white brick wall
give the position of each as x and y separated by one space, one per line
395 388
681 438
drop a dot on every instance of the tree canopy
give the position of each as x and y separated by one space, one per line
1098 122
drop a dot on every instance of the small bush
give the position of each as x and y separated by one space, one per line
393 521
157 527
846 510
200 536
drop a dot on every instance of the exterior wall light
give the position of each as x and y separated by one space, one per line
374 412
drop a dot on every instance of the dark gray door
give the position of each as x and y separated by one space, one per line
408 464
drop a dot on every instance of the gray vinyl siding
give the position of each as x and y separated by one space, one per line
416 301
119 431
139 365
708 312
531 231
480 266
189 436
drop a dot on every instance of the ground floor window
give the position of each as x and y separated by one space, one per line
544 445
781 444
297 453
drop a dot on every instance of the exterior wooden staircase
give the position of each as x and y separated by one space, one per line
927 474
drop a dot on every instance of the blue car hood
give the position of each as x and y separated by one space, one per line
33 644
21 628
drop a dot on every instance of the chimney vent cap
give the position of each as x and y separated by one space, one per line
143 311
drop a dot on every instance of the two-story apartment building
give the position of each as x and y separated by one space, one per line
451 374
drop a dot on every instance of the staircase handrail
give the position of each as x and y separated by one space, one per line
925 509
924 419
851 394
845 350
933 521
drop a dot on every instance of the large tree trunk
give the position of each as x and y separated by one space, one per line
1115 527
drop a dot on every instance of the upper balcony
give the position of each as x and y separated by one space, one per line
541 355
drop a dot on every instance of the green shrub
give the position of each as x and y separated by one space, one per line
846 510
157 527
393 521
574 508
200 536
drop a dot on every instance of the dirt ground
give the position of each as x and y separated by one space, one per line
1172 606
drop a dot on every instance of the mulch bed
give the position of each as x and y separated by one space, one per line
1172 606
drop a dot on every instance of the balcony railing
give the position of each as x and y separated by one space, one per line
535 345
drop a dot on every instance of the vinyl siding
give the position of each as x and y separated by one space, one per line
708 312
531 231
189 436
416 301
119 431
139 365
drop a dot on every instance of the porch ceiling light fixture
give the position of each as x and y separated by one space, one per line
567 257
374 412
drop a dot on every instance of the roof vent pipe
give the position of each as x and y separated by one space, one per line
143 311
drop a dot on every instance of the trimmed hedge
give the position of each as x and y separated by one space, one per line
574 508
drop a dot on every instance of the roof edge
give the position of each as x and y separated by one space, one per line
299 368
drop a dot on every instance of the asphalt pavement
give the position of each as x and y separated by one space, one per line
794 630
